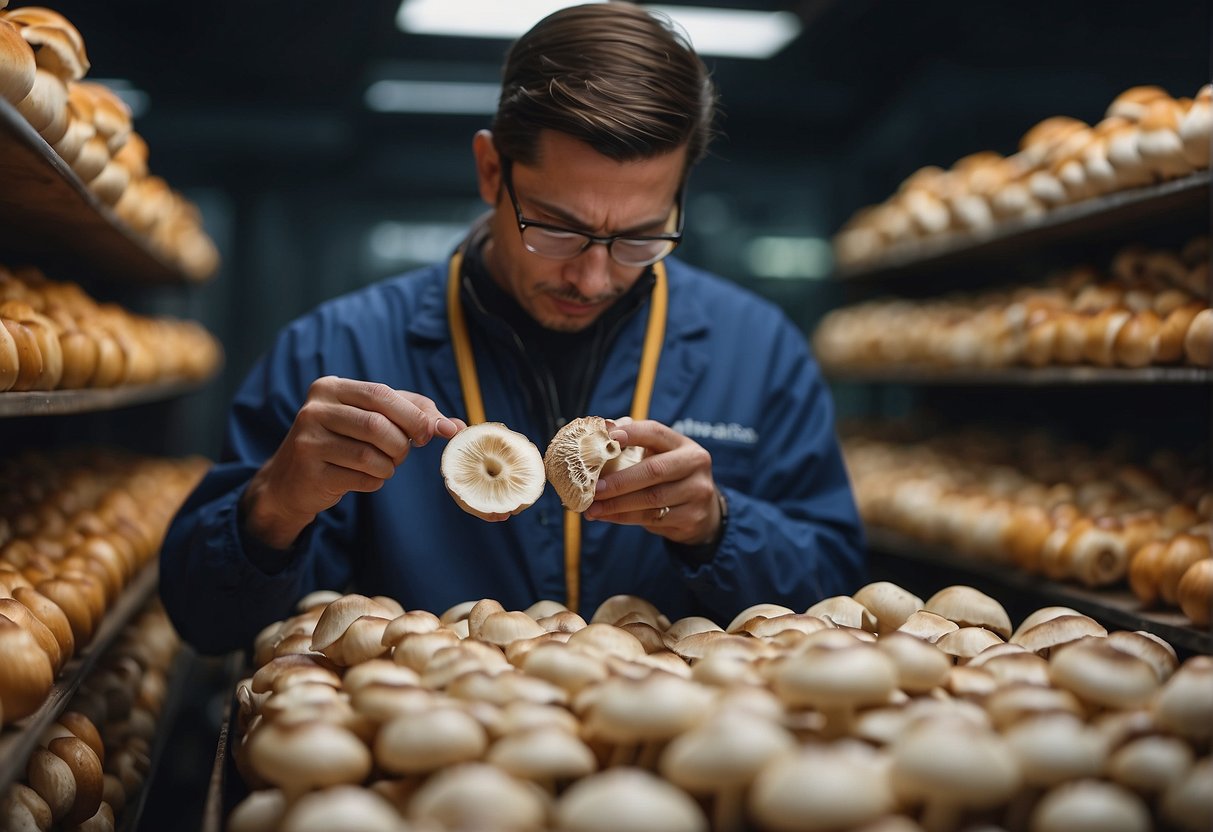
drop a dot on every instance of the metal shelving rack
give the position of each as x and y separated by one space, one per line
1113 216
1108 213
63 402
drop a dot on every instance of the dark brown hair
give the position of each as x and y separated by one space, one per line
613 75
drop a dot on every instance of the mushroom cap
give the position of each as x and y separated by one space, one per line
891 604
341 809
340 614
1090 806
627 800
927 626
1055 747
1186 804
543 753
943 760
820 788
1098 673
1148 647
478 796
725 751
969 607
658 706
848 676
492 471
28 674
260 811
920 666
17 66
1184 706
426 740
1151 763
307 755
1055 632
966 642
844 611
575 458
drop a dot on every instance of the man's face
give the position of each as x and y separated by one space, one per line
575 187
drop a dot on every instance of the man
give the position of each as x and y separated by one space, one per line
559 304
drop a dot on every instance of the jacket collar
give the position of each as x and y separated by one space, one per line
687 316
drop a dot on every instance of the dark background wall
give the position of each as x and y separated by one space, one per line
256 111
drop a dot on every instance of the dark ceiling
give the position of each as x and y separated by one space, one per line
263 89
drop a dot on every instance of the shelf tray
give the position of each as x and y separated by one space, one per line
1122 210
17 741
1025 376
61 402
1115 608
50 219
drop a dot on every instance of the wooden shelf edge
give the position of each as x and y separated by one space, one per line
96 239
213 814
63 402
1026 376
1104 210
1114 608
17 741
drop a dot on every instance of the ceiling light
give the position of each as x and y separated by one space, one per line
734 33
456 97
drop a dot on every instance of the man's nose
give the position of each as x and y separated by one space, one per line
590 272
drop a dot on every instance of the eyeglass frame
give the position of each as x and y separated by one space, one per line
675 237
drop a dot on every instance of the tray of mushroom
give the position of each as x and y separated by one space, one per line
878 712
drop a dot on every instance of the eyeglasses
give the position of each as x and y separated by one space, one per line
558 243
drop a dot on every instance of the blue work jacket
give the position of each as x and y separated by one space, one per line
735 375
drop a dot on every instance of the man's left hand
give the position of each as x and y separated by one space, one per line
670 492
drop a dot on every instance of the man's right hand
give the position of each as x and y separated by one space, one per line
348 436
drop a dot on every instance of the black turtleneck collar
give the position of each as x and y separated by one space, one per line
563 366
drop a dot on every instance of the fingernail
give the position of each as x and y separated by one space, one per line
599 487
619 435
445 426
590 513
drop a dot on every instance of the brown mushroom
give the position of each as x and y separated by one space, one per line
575 459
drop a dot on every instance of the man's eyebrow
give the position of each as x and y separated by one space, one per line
577 224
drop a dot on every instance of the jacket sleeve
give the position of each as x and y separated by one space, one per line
219 585
794 537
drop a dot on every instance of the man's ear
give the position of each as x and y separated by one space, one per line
488 166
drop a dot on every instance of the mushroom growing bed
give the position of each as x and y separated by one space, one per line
880 712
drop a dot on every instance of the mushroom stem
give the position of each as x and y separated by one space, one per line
840 719
940 816
649 754
622 754
728 810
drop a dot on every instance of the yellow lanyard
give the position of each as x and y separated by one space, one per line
469 381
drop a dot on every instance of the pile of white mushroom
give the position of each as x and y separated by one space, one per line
95 758
876 712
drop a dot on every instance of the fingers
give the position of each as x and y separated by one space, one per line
415 415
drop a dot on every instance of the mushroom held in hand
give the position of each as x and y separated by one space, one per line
578 455
492 471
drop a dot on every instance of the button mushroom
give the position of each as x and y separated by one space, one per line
627 800
950 767
719 759
820 789
478 796
1090 806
